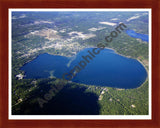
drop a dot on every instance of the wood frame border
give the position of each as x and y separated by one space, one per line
6 4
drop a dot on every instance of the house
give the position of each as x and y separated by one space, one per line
20 76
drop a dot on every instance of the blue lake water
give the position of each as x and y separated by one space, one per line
105 69
137 35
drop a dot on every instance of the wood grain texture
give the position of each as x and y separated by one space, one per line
6 4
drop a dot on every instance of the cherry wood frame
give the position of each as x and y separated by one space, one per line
6 4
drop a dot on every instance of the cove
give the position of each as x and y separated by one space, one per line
133 34
106 69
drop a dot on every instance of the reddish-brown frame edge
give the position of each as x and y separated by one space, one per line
6 4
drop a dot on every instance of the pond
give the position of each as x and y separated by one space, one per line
133 34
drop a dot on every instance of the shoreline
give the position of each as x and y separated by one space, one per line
129 57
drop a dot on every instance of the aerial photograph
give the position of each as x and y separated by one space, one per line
79 62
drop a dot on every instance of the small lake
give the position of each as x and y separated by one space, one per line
133 34
105 69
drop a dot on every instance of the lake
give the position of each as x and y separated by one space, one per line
137 35
105 69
